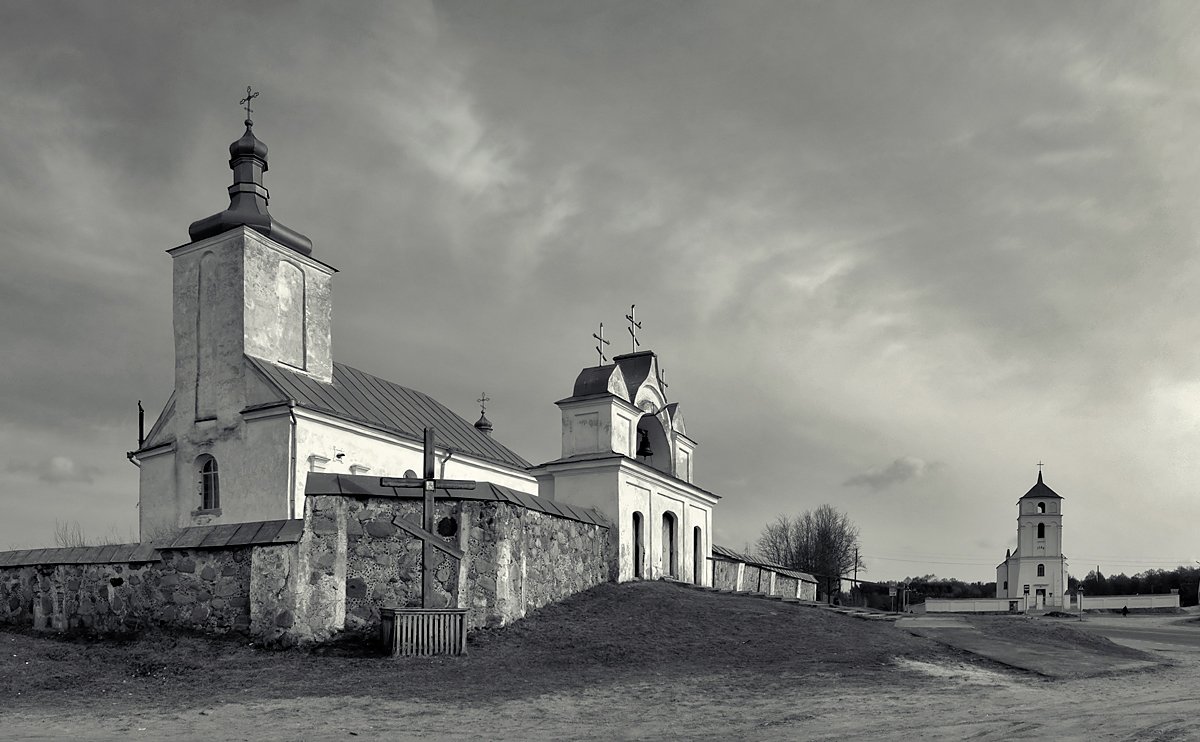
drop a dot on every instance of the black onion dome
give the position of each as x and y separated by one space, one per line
249 146
248 199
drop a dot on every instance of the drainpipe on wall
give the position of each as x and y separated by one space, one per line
291 484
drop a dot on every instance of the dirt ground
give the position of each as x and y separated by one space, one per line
644 661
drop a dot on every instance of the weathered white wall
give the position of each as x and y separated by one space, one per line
376 453
620 487
158 507
1117 602
968 605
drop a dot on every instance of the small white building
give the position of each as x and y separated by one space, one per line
626 453
1037 567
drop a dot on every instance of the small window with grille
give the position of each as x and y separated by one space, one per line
210 483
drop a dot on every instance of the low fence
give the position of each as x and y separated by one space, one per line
974 605
1132 602
737 573
409 632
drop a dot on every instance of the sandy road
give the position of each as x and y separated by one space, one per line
909 700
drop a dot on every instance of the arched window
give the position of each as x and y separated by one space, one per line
639 569
1041 507
670 564
210 483
699 563
1041 530
1041 570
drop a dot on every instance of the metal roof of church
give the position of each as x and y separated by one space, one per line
361 397
1041 490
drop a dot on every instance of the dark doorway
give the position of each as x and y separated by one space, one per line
699 563
670 564
638 548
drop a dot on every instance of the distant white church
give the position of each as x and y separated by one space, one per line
1037 568
259 403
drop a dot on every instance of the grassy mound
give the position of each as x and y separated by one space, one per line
630 633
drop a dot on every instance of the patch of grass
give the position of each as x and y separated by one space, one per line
1060 634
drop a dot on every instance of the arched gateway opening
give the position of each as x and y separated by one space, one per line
670 563
699 563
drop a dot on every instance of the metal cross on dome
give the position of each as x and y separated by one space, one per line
483 400
425 531
246 102
662 377
600 345
634 326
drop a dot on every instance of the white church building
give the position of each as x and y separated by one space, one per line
259 403
1037 568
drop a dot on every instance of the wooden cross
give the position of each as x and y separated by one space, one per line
246 102
600 345
431 540
634 326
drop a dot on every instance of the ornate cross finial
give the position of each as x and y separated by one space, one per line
246 102
483 400
600 345
634 326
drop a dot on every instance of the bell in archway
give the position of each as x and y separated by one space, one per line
644 451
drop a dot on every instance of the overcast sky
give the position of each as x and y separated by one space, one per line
890 254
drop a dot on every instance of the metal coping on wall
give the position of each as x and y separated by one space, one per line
346 485
108 554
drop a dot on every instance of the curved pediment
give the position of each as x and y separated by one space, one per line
675 418
601 380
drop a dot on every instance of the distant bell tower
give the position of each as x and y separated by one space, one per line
1037 567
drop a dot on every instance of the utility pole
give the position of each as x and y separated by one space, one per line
856 566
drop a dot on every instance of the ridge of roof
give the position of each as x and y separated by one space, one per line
370 400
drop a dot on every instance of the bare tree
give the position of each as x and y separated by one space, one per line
823 542
68 533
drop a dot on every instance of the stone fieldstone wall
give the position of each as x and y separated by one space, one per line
786 586
246 589
104 598
725 574
205 590
754 580
515 559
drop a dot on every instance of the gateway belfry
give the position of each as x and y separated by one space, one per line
1037 568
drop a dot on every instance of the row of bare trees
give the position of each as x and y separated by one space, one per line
822 542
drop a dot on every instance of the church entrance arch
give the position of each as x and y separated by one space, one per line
699 563
670 563
639 548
